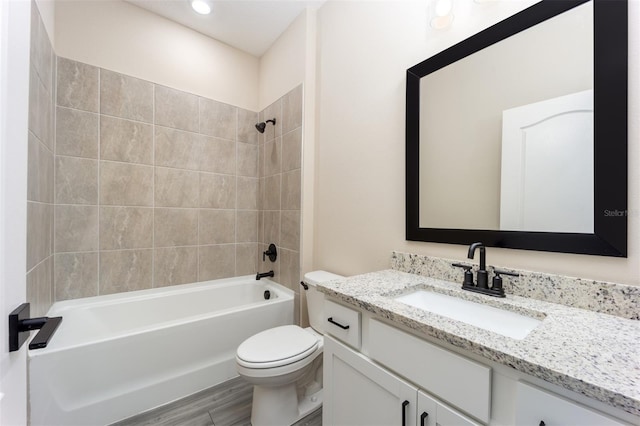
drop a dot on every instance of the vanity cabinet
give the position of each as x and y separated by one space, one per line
359 392
378 374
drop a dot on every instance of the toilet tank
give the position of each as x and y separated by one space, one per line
315 299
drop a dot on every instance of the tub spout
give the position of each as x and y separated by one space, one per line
264 274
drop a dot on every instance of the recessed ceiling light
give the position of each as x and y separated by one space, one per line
201 6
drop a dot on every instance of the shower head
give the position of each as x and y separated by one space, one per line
261 126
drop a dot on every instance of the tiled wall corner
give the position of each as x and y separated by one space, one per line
40 169
279 190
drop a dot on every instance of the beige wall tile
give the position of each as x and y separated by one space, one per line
76 133
260 226
271 227
291 182
216 262
39 172
217 191
125 140
292 150
125 96
39 286
289 269
176 109
77 85
126 184
76 228
76 180
178 149
76 275
290 230
176 188
247 160
216 226
175 265
247 193
292 110
39 222
126 228
41 51
272 193
247 226
272 111
246 259
175 227
40 110
125 270
247 131
218 119
272 157
218 156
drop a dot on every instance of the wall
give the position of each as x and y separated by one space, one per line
364 51
153 186
40 168
124 38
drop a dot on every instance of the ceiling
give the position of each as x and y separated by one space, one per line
249 25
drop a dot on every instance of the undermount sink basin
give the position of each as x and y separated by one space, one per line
489 318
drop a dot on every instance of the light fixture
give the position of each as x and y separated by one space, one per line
442 14
201 6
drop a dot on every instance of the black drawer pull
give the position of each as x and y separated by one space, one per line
344 327
423 418
404 413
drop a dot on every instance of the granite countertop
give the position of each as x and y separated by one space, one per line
594 354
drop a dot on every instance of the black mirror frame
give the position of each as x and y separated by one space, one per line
610 135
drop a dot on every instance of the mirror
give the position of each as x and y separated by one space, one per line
517 136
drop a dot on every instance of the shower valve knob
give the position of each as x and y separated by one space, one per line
272 252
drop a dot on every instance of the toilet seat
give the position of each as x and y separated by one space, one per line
276 347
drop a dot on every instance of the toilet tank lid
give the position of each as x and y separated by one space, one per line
315 277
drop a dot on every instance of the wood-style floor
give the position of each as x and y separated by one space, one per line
228 404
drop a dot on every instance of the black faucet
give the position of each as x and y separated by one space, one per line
483 276
481 284
264 275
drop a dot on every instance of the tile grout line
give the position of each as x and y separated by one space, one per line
153 185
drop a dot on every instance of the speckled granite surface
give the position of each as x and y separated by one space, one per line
599 296
587 352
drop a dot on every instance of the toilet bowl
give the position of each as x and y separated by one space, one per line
284 364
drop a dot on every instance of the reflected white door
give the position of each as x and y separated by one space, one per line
14 109
547 165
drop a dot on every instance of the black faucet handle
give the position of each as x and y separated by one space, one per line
468 275
501 272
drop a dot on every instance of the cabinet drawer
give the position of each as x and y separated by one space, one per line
534 405
457 380
342 323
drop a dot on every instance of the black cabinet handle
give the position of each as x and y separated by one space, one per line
344 327
404 413
423 418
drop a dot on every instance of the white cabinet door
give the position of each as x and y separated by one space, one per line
433 413
357 392
536 407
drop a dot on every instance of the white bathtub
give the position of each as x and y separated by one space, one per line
118 355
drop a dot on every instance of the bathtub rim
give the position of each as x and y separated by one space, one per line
284 294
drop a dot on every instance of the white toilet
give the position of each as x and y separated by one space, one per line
284 364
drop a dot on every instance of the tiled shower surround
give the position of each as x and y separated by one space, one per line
157 187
